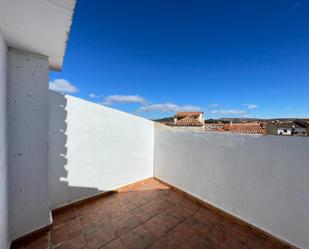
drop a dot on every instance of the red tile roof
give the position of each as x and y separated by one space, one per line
188 121
185 114
245 128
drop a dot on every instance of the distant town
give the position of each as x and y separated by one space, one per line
279 126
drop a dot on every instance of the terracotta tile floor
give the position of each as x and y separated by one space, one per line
145 215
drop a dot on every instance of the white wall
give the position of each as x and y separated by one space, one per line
4 220
28 142
261 179
95 148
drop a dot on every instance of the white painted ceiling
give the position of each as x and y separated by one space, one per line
37 26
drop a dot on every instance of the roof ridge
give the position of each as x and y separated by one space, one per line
188 121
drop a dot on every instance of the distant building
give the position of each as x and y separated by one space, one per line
246 128
296 128
189 120
214 127
307 121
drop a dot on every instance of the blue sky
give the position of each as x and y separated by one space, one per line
227 58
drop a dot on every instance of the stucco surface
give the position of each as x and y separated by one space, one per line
261 179
28 76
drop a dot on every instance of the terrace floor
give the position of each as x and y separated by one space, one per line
147 214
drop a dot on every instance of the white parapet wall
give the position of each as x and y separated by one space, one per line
28 77
260 179
4 201
95 148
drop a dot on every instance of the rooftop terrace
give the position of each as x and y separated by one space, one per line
77 175
147 214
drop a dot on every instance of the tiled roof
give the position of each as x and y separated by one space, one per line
188 121
245 128
185 114
289 125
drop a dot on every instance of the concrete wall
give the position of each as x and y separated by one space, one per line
260 179
28 142
4 219
95 148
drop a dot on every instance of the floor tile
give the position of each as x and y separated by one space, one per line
184 236
182 212
87 220
40 241
124 223
150 209
173 197
64 215
205 243
217 234
86 207
196 227
75 243
109 212
255 241
142 214
128 199
161 224
207 217
115 244
138 238
99 235
145 215
237 232
67 231
165 242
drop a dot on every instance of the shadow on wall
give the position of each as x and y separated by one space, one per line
60 191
